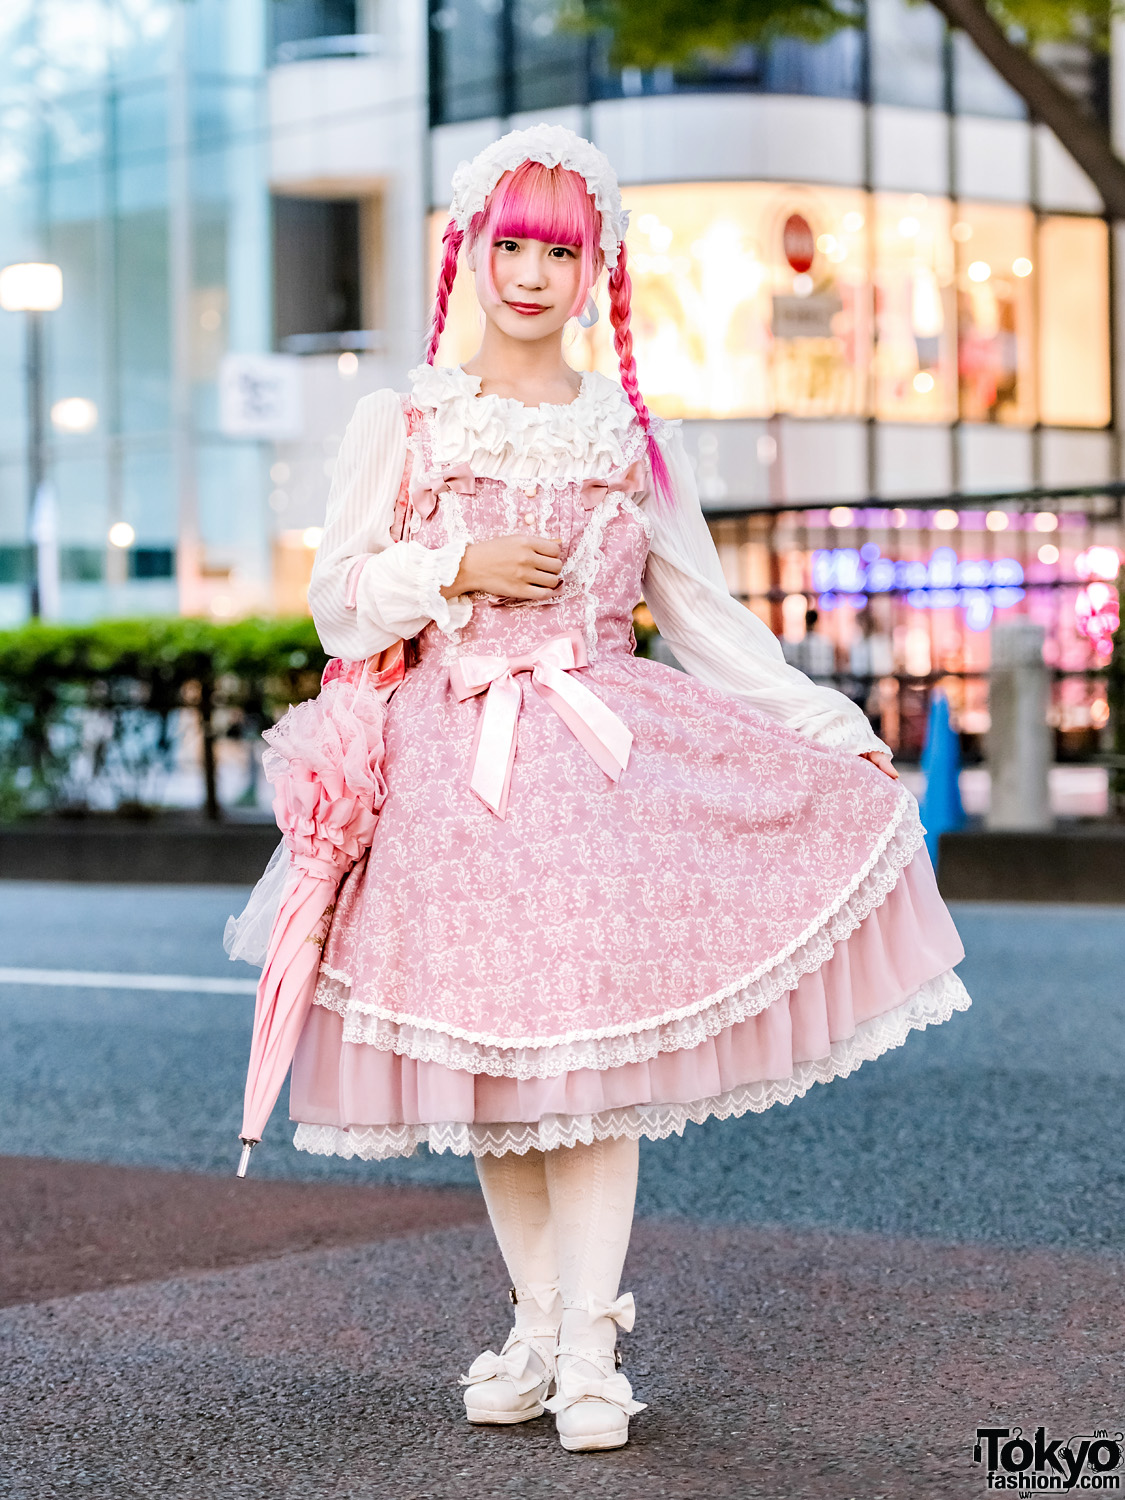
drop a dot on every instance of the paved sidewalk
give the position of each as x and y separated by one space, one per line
76 1227
777 1365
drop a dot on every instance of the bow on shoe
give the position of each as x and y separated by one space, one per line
624 481
595 726
623 1312
458 477
511 1365
615 1389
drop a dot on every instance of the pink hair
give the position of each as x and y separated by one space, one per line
552 204
451 248
621 315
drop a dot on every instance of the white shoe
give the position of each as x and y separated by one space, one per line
510 1387
593 1400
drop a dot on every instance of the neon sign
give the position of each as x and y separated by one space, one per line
979 585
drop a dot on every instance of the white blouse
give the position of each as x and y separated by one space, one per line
398 593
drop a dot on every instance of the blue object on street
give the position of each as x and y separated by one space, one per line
942 811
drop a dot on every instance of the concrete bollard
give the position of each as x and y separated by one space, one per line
1019 737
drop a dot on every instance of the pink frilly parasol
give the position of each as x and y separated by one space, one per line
325 763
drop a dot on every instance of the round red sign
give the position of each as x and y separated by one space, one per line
798 243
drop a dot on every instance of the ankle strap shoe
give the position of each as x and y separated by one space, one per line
509 1387
593 1401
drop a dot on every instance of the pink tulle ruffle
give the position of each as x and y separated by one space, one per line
899 947
325 760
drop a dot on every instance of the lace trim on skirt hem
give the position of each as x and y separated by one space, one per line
933 1003
614 1046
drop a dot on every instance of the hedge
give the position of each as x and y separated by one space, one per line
86 710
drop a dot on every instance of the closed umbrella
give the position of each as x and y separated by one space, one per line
325 763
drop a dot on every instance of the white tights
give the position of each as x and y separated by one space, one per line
562 1219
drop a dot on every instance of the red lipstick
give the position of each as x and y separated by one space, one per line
528 309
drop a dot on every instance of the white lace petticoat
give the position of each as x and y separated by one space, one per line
930 1005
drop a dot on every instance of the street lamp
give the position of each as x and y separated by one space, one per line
33 288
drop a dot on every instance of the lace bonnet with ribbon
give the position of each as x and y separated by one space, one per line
553 146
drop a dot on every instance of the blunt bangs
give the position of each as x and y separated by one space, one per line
550 204
544 203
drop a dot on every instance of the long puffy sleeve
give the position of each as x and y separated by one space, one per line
720 641
366 590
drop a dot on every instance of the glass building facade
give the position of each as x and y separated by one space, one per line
131 145
909 304
138 143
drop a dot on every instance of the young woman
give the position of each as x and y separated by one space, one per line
604 897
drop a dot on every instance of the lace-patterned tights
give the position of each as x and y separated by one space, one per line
562 1218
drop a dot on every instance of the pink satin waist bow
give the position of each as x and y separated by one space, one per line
625 481
595 726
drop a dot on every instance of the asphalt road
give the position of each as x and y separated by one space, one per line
831 1296
1004 1125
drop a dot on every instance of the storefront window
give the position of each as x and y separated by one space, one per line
748 299
755 299
1073 282
995 312
916 335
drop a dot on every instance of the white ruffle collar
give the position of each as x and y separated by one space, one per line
499 436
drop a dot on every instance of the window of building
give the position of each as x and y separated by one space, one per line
318 282
300 20
907 48
549 59
469 52
978 88
915 360
1073 283
995 313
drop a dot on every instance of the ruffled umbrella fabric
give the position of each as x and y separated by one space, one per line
325 764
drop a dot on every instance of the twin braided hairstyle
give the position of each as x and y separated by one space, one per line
553 204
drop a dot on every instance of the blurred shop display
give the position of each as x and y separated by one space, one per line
890 603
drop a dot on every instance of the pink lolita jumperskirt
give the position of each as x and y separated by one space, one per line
739 914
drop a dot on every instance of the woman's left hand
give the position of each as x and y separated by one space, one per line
881 759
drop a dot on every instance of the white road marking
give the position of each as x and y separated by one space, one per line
88 979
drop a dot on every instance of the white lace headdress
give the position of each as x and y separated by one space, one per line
554 146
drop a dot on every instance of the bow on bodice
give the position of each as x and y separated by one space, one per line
595 726
624 481
461 479
458 477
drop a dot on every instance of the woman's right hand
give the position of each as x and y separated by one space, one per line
512 567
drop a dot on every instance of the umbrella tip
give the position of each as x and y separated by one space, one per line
244 1162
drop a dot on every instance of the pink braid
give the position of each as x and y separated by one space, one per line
620 315
451 241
